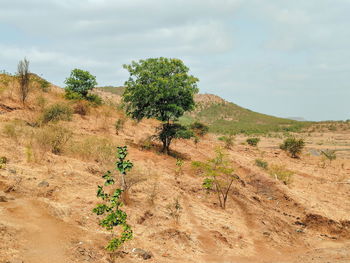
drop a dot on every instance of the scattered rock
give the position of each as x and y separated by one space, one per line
142 253
43 184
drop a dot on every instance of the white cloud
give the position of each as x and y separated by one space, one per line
250 51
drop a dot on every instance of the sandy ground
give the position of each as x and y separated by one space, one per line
45 208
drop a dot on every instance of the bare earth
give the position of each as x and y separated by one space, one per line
45 208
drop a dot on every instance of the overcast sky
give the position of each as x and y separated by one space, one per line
280 57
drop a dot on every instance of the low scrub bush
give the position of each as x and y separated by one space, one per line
293 146
81 107
174 210
228 140
56 112
146 143
280 173
52 138
262 164
253 141
119 125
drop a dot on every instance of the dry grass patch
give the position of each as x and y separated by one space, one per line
93 148
280 173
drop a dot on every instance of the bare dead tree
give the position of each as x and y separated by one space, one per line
23 78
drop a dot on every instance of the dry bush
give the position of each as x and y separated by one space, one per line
174 210
153 193
40 102
23 76
103 117
52 138
94 148
82 107
280 173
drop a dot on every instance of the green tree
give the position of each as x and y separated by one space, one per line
80 83
218 175
160 88
112 203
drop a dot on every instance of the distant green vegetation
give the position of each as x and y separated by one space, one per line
225 118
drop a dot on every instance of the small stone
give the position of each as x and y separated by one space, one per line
43 184
142 253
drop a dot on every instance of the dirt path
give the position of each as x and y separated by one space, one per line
44 236
207 243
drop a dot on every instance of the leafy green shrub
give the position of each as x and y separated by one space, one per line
111 204
80 82
262 164
281 173
253 141
199 128
94 99
293 146
71 95
56 112
218 176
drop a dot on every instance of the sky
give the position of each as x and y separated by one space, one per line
286 58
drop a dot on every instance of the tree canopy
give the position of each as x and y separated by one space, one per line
160 88
81 82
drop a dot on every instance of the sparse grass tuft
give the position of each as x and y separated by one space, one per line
261 163
281 173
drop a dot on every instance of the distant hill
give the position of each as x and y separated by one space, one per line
297 118
226 117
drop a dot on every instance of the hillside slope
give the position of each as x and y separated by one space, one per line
226 117
46 199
